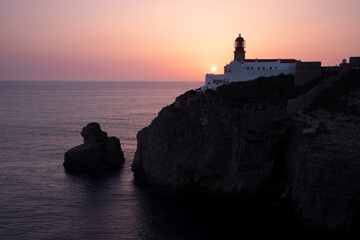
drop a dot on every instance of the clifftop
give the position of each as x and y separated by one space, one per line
342 97
241 140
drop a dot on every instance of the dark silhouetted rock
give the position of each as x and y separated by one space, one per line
93 134
326 188
113 156
241 140
216 146
97 153
84 157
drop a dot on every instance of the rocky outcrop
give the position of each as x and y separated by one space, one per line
297 104
242 140
98 151
326 189
213 145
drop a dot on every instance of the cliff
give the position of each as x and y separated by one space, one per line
214 144
241 141
326 186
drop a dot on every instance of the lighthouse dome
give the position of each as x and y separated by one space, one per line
239 43
239 39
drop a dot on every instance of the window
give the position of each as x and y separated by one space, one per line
247 68
263 68
258 68
275 67
270 68
252 68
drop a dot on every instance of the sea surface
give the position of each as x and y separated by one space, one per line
40 121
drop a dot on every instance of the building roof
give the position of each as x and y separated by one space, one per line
239 38
272 60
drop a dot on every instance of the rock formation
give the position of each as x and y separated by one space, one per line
295 105
202 142
241 140
98 151
326 187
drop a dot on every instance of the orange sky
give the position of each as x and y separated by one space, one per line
164 40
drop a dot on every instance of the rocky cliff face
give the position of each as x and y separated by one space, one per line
241 140
206 143
326 187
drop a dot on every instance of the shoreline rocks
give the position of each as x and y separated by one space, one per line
98 152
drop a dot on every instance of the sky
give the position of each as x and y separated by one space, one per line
167 40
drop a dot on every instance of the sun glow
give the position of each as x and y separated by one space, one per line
213 69
105 41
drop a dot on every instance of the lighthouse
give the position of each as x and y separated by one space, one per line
239 53
241 69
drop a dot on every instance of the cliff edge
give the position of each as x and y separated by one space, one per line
241 141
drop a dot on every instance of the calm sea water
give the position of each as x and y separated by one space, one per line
39 121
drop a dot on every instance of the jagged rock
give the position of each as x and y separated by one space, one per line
241 140
321 128
92 133
84 157
326 189
98 151
203 142
295 105
113 155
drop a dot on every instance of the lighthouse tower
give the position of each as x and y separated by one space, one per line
239 53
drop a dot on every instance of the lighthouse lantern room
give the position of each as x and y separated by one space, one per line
239 52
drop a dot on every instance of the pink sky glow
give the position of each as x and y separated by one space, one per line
162 40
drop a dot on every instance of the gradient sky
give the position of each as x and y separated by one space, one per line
141 40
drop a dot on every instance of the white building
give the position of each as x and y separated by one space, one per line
241 69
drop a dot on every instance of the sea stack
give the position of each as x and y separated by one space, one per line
98 152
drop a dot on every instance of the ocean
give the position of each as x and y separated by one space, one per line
40 121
